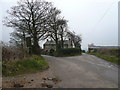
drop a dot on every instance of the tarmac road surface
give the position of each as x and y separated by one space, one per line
85 71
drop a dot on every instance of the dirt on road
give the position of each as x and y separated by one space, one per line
43 79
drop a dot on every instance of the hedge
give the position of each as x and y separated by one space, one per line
68 52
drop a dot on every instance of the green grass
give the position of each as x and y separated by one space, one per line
28 65
112 59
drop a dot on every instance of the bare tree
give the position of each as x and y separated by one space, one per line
54 28
57 28
30 17
62 24
76 39
39 20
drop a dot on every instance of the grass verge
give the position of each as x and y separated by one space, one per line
24 66
112 59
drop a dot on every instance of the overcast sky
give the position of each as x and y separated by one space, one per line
95 20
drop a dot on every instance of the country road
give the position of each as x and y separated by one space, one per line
85 71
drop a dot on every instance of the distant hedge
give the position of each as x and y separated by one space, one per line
68 52
109 52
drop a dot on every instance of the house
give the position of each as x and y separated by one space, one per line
50 44
93 48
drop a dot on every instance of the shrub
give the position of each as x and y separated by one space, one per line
83 51
12 53
51 52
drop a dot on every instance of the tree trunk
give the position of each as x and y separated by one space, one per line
62 42
36 47
57 46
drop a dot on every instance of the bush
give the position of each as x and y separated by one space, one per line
51 51
83 51
12 53
68 52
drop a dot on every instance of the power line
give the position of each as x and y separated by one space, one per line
104 14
